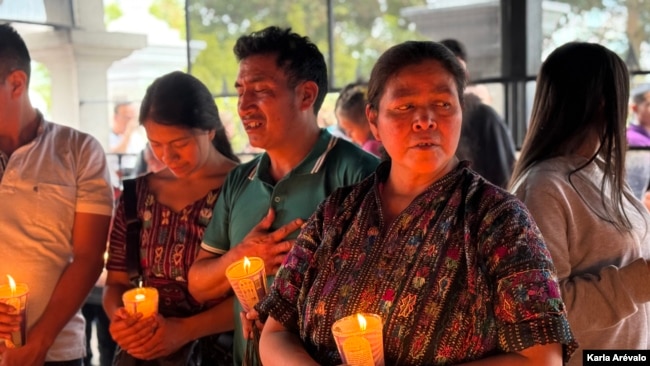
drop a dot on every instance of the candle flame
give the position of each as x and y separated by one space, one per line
12 284
139 297
362 322
247 264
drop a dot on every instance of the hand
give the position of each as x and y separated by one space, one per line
131 331
270 246
248 321
9 320
168 337
28 354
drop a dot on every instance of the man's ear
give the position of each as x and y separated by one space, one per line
307 93
17 81
371 115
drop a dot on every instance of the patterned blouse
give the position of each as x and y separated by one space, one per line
169 243
461 274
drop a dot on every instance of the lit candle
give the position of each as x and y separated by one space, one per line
362 322
248 279
247 265
359 339
16 295
142 300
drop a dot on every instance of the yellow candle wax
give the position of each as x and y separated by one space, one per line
359 339
142 300
248 279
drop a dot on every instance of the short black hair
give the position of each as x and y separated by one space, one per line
352 101
410 53
455 46
13 52
296 55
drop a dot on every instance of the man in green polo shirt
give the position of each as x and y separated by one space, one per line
282 83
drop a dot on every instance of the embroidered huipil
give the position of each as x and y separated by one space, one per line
169 243
462 274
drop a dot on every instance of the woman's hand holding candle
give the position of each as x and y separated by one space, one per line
169 336
131 331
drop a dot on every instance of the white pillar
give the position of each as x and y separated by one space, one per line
78 61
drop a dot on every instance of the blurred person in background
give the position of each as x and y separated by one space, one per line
637 159
484 140
148 162
638 132
350 111
125 142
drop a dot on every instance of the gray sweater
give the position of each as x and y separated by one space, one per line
603 273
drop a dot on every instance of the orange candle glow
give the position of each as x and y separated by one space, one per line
141 300
359 339
248 279
247 265
16 295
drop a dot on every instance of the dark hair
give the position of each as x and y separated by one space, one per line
296 55
180 99
407 54
582 88
352 101
456 47
13 52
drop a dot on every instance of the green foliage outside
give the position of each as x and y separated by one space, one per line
362 30
621 25
112 12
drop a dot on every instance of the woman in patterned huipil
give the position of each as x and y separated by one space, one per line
454 265
174 205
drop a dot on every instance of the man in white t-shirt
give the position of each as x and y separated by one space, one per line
55 208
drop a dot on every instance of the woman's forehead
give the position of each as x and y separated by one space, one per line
430 76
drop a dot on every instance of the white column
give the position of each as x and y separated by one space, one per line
78 61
